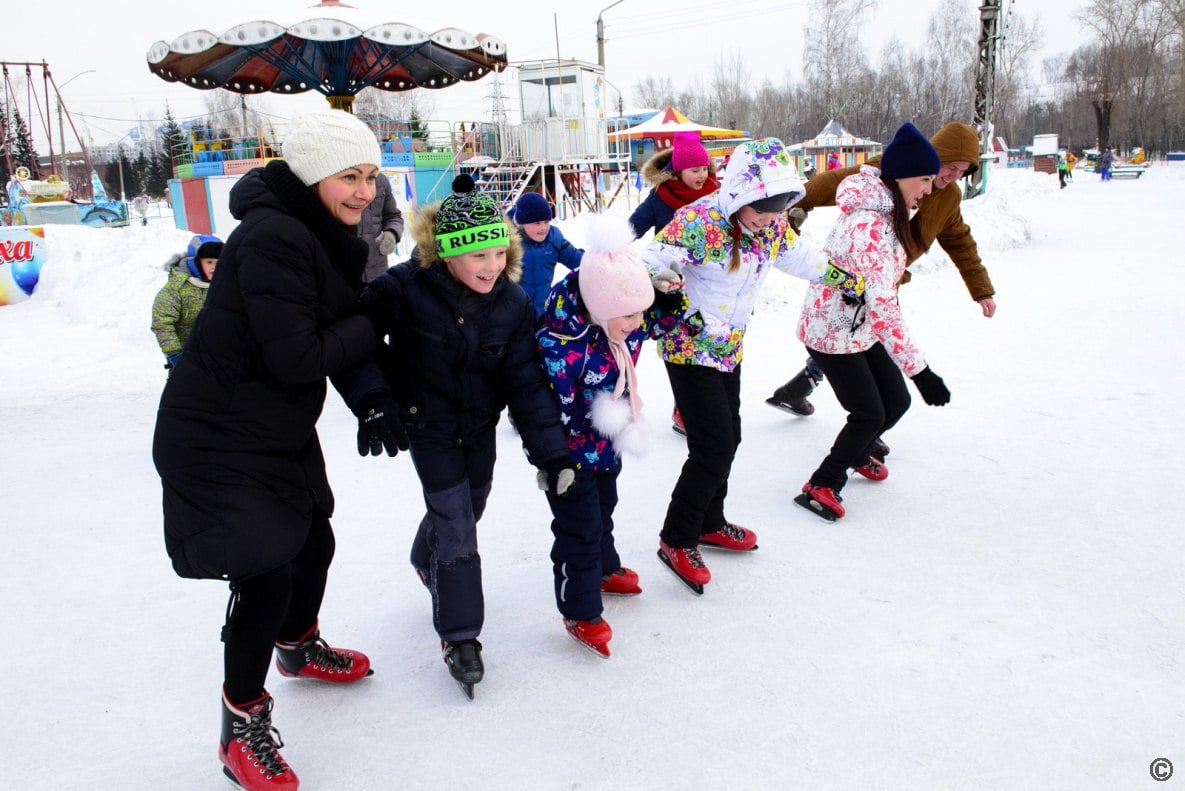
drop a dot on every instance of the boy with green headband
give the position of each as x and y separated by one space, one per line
460 347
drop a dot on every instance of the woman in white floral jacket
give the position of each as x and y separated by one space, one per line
862 343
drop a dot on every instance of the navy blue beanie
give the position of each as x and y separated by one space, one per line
909 154
532 207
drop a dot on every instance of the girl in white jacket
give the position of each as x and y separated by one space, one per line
862 343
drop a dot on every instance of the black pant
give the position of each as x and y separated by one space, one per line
456 477
710 403
583 550
281 604
869 385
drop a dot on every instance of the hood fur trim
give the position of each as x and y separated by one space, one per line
658 168
423 233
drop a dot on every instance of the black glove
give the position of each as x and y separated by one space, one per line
669 301
379 426
556 475
930 385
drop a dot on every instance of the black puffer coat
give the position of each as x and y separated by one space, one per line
455 358
236 445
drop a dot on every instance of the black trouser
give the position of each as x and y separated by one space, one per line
869 385
583 550
710 403
281 604
456 476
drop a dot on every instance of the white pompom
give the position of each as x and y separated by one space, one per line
609 415
634 439
608 233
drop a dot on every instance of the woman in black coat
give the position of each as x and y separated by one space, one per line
246 498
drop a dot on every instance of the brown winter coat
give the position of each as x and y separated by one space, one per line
939 217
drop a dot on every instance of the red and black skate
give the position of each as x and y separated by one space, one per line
623 582
249 748
686 564
677 422
821 501
593 634
731 537
311 657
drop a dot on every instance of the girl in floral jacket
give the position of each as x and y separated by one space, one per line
725 245
590 335
862 344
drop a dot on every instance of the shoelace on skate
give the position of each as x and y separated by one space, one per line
693 557
733 532
319 653
264 741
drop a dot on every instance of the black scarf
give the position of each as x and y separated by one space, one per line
346 250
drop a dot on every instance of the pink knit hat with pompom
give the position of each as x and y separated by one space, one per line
688 152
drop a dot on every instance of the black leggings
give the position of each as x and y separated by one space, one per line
869 385
281 604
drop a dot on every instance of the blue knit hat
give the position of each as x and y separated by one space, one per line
532 207
909 154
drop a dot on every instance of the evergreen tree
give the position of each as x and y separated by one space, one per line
4 150
159 173
142 168
173 141
23 152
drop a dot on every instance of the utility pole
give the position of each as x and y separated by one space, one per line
601 34
985 90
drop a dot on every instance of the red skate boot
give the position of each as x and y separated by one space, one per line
686 564
593 634
249 749
821 501
731 537
677 422
623 582
874 469
311 657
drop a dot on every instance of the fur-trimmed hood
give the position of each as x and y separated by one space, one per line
423 232
178 267
657 169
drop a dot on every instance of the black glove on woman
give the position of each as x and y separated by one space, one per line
931 387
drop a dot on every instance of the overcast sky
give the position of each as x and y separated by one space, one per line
643 37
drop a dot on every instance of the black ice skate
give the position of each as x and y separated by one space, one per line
792 396
463 658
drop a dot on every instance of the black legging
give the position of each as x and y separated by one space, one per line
869 385
710 403
281 604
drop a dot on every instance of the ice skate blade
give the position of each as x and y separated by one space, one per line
707 545
785 407
624 594
818 509
695 586
602 652
467 688
680 431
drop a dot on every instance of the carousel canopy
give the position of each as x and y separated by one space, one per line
335 49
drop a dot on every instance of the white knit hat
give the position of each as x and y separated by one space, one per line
327 142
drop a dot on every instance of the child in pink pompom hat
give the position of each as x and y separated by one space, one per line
590 335
680 175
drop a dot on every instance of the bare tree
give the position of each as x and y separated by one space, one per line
655 92
834 57
371 103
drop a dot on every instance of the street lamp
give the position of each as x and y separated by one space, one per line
601 34
61 126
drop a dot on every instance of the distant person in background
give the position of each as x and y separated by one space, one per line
246 496
833 161
381 227
1063 168
678 176
1106 160
938 218
1070 162
176 306
543 246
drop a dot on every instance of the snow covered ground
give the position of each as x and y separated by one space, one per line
1005 611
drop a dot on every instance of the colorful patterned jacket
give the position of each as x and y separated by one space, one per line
576 358
176 306
700 240
864 239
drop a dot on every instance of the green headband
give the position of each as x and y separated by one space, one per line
469 240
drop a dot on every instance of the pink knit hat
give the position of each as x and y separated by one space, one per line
688 152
